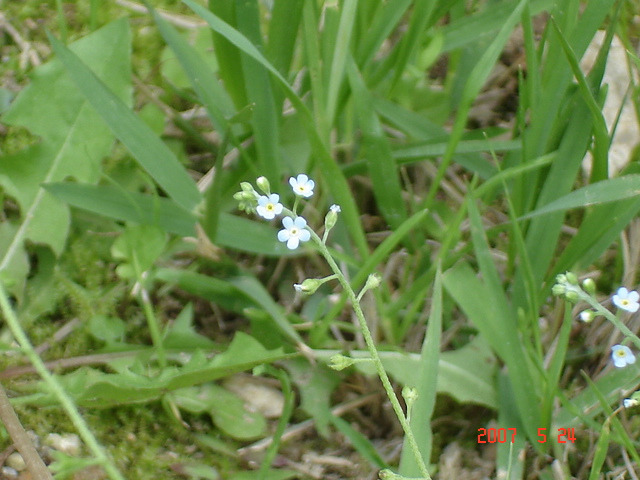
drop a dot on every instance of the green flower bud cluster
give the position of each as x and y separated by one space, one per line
568 286
247 198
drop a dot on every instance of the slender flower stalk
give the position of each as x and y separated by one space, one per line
573 292
375 357
296 231
55 387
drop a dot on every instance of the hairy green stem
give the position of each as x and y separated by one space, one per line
55 387
375 358
154 328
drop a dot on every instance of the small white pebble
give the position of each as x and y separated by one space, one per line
8 473
16 462
68 443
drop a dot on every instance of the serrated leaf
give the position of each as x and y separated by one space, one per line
73 141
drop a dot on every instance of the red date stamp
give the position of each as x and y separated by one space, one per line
504 435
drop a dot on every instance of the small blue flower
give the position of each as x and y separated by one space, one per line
622 356
294 232
626 300
269 207
302 185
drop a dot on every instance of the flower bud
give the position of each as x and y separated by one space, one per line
572 296
331 218
410 395
247 187
340 362
309 286
373 281
587 316
572 278
561 278
630 402
558 289
589 286
263 184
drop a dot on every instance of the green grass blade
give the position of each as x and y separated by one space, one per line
599 229
150 152
418 25
600 455
120 204
332 173
361 443
377 151
601 135
264 120
555 366
472 28
485 303
203 80
544 231
229 62
372 261
427 386
605 191
474 84
339 55
283 31
235 232
311 43
383 23
233 293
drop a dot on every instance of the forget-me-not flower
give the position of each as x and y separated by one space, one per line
626 300
294 232
269 207
302 185
622 356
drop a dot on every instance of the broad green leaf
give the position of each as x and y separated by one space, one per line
181 334
73 141
106 329
138 248
316 385
467 374
94 388
234 232
226 409
150 152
